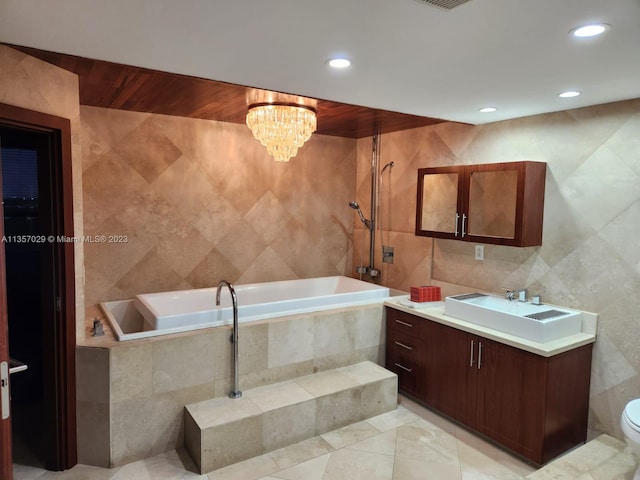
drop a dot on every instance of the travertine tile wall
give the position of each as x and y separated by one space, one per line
589 258
200 201
30 83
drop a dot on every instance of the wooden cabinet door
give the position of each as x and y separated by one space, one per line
511 397
451 372
492 202
439 202
504 203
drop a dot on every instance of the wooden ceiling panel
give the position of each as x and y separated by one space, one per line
112 85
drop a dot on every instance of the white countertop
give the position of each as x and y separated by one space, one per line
434 311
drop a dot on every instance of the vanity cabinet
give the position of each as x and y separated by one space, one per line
496 203
533 405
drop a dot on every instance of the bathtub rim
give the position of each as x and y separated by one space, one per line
120 336
150 332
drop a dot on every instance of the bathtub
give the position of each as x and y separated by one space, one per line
164 313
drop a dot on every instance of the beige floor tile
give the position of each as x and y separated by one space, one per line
25 472
310 470
350 434
395 418
406 444
415 469
355 465
384 443
251 469
300 452
420 442
478 455
604 458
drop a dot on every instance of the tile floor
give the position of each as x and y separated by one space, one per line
408 443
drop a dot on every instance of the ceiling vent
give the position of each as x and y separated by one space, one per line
446 4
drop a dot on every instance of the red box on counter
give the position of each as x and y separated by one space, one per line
425 293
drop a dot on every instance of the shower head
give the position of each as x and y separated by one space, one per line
388 165
355 206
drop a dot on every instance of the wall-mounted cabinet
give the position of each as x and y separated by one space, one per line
498 203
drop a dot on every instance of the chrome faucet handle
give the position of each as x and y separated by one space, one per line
520 294
509 294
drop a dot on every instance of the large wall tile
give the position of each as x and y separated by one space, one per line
131 373
182 362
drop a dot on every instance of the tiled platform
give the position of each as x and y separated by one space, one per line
222 431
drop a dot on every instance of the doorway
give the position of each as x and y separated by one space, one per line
36 187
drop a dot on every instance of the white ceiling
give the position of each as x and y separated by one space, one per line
408 56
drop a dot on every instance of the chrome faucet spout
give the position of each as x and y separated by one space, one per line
235 393
520 295
234 298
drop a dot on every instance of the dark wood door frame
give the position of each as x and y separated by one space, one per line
6 470
64 385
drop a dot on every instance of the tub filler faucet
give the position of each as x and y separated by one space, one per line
235 393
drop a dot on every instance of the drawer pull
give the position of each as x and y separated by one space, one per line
400 344
404 323
402 367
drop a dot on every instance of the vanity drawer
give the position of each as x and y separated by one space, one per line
406 357
405 323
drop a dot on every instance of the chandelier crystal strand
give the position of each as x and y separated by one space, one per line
282 129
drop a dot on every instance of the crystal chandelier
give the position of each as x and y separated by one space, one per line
281 128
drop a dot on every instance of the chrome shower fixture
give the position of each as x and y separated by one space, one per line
368 223
388 165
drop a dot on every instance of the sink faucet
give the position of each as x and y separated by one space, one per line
235 393
521 295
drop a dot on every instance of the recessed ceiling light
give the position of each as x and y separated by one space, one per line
569 94
590 30
339 62
488 109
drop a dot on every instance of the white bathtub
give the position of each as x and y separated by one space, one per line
170 312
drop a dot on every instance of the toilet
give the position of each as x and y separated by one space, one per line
630 424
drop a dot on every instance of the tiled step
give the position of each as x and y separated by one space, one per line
222 431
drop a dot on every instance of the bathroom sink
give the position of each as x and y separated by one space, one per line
538 323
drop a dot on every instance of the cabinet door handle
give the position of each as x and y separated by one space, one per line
471 356
403 367
464 217
404 323
400 344
457 218
479 355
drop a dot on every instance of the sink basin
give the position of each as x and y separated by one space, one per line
538 323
